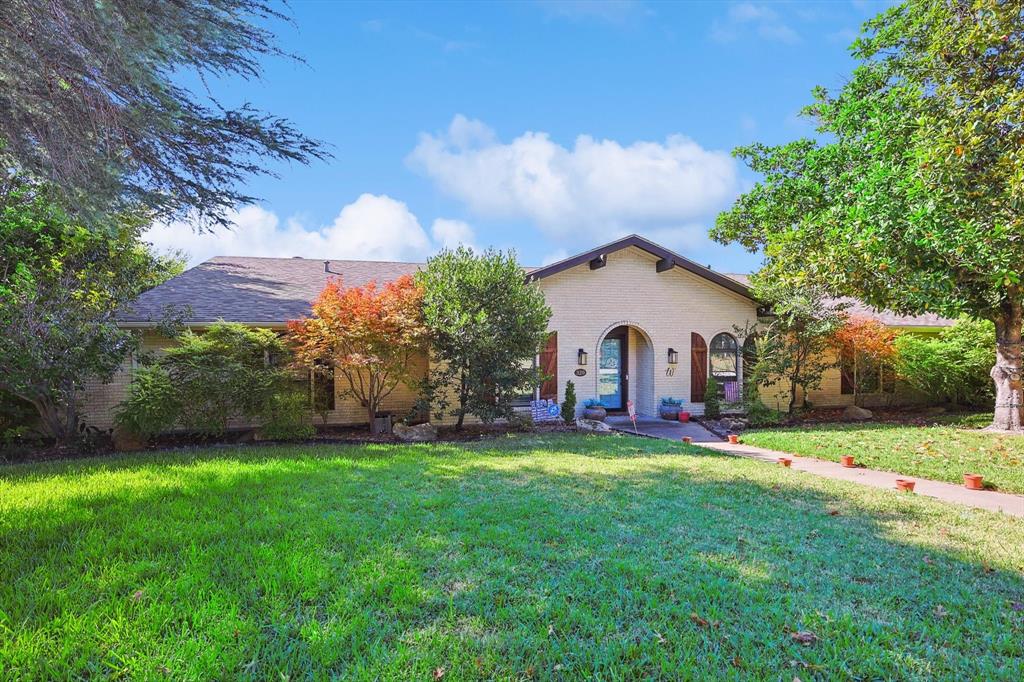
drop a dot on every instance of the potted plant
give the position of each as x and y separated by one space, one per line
593 409
669 408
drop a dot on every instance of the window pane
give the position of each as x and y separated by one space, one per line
724 356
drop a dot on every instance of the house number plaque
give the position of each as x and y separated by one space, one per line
580 372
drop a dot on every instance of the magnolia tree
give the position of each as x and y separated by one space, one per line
912 198
369 335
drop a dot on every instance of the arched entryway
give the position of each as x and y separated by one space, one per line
625 368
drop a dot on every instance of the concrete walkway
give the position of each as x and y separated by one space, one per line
947 492
662 428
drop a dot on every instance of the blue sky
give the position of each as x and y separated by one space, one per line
544 127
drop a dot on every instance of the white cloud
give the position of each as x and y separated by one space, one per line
452 233
373 227
593 191
748 16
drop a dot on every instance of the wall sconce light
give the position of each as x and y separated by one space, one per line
581 357
673 356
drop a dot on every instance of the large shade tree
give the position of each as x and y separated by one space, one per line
913 197
61 288
100 100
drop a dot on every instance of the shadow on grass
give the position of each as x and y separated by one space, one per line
546 555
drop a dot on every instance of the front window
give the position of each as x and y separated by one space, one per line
724 358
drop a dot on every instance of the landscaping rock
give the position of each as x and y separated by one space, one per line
592 425
856 414
420 433
125 441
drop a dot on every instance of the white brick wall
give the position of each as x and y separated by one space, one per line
665 307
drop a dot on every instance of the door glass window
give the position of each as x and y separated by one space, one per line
609 374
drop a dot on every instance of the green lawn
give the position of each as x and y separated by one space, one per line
939 452
557 556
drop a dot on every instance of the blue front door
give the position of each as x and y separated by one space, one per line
609 374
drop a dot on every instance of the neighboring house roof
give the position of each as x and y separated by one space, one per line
667 260
886 317
266 291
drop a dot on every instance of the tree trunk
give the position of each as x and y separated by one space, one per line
1007 371
463 398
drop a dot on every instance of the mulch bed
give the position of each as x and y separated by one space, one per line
329 435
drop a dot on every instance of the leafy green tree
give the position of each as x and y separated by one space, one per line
952 366
792 347
61 286
92 100
486 326
712 401
912 198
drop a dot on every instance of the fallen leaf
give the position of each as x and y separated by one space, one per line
940 612
698 620
736 662
551 630
833 512
804 637
439 672
137 595
1017 606
658 636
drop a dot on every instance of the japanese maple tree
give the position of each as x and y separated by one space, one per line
912 199
368 334
863 342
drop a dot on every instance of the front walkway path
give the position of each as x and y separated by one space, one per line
663 428
948 492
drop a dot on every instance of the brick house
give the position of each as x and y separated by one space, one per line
630 320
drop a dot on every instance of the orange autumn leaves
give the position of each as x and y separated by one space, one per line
369 334
866 336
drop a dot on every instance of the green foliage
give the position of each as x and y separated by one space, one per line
952 366
486 325
152 405
230 372
287 416
569 404
592 402
672 401
911 200
791 348
61 287
712 401
760 415
93 101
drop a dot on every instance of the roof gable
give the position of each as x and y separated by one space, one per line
667 260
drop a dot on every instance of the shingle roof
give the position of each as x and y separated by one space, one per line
886 317
259 290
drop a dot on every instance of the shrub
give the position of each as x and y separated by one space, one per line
207 380
759 414
672 401
712 402
569 404
951 367
592 402
287 417
152 403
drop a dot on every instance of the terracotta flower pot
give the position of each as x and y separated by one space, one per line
785 461
847 461
733 438
687 439
684 416
905 484
973 482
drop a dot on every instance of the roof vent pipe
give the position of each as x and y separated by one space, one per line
327 266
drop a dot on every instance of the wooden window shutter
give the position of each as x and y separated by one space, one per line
698 367
549 368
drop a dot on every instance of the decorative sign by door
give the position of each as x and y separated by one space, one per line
580 372
632 415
